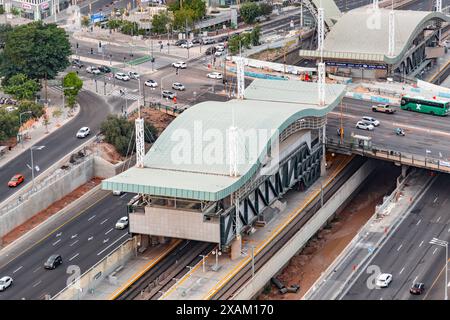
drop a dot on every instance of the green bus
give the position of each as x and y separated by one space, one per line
430 106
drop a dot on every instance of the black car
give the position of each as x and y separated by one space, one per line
77 63
417 288
223 39
104 69
196 40
53 261
210 50
180 42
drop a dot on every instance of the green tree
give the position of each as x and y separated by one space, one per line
21 87
115 24
2 10
85 21
255 36
37 50
72 81
129 28
4 30
159 23
234 43
249 12
198 8
9 124
183 18
265 9
37 110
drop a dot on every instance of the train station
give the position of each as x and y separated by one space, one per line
204 165
379 43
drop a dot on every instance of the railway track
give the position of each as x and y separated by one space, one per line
161 277
245 274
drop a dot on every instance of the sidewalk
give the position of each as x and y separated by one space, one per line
337 278
37 130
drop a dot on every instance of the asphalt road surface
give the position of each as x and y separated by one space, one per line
423 132
82 242
94 110
408 256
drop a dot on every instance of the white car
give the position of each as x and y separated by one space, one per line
383 280
178 86
220 47
187 45
133 75
83 132
117 193
93 70
122 223
218 53
214 75
5 282
121 76
364 126
179 64
151 83
371 120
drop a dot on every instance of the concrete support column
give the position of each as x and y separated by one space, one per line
322 138
162 240
404 170
143 241
236 247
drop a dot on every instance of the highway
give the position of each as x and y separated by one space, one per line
81 242
94 110
423 132
408 256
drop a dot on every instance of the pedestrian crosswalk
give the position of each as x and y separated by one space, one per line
125 95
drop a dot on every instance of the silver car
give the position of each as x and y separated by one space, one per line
178 86
370 120
364 126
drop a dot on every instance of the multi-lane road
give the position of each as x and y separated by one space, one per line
87 238
407 254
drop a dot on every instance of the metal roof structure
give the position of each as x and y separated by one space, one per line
190 159
363 34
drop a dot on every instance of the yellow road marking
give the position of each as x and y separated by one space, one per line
258 249
139 273
434 282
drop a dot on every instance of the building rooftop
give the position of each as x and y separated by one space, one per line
363 34
191 158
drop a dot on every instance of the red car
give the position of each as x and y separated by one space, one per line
16 180
417 288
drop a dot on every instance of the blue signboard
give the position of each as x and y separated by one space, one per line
355 65
97 17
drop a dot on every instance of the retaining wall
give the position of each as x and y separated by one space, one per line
297 242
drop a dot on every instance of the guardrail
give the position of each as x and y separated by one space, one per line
349 147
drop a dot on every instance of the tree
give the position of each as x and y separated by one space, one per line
265 9
85 21
72 81
129 28
4 30
37 50
183 18
115 24
37 110
255 35
159 23
21 87
234 43
198 8
249 12
9 124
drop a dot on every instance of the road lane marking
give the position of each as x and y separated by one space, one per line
121 197
435 200
109 231
400 247
104 221
90 238
438 219
74 236
106 240
54 243
402 270
415 279
124 235
59 234
418 222
18 269
421 244
73 243
74 257
36 269
435 280
91 217
37 283
434 251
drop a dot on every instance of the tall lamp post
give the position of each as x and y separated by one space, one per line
444 244
32 163
20 123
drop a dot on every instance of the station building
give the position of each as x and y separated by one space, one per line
219 156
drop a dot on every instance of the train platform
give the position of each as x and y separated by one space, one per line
210 275
111 287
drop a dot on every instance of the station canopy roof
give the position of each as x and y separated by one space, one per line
363 34
191 158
